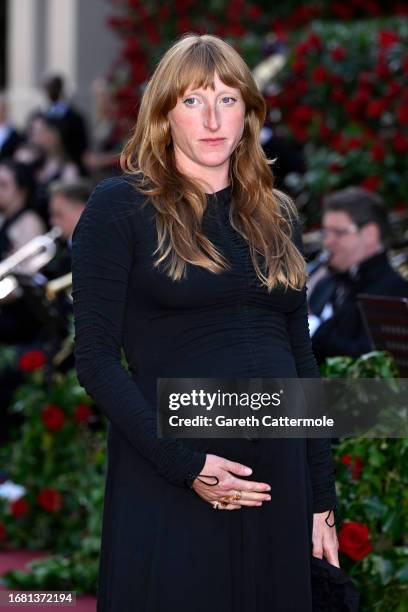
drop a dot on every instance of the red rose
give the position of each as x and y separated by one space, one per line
299 65
354 463
236 29
299 132
338 94
378 152
324 131
184 24
32 360
3 533
334 167
19 507
400 9
82 413
394 89
387 39
164 12
254 12
341 10
371 7
375 108
338 143
366 80
53 417
402 114
355 142
354 540
314 41
303 114
338 54
371 183
382 70
50 500
357 468
320 75
400 142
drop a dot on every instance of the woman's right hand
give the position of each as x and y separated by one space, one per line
228 472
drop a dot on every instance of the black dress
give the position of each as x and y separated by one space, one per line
163 547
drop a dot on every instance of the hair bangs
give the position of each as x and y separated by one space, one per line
200 64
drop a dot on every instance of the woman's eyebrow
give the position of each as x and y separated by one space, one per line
200 91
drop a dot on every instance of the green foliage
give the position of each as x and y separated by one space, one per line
58 455
344 92
372 489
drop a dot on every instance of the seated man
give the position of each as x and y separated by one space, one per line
67 202
355 231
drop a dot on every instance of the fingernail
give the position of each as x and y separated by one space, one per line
248 470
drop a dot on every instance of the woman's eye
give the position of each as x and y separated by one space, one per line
228 100
190 101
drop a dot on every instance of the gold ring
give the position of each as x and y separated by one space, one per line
237 495
224 502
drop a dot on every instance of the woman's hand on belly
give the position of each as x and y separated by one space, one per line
246 492
324 539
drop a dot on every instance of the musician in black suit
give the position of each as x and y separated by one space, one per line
356 232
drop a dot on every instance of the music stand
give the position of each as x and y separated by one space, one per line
386 323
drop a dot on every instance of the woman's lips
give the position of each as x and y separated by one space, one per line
212 141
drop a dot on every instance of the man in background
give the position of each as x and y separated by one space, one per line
67 201
355 231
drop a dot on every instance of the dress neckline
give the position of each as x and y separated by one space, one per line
221 195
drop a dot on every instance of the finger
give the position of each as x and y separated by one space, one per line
318 552
231 507
236 468
248 498
331 554
248 485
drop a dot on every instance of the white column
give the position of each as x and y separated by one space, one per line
22 57
62 40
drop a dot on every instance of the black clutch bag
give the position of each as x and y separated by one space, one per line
332 589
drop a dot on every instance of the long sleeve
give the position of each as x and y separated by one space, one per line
318 449
102 256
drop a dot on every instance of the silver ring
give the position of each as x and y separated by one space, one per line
215 505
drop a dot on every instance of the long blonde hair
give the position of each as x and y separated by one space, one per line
261 214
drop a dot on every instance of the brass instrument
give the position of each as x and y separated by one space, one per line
28 260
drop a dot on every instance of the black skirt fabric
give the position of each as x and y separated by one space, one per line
163 547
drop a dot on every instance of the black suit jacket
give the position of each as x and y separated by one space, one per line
11 143
344 333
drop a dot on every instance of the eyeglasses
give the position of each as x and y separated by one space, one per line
337 232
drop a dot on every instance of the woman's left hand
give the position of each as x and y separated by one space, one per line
324 539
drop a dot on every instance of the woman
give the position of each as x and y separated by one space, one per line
47 134
19 222
176 261
18 225
103 159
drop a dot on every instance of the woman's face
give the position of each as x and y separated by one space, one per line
43 136
206 126
9 191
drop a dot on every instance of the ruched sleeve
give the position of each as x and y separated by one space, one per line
318 449
103 249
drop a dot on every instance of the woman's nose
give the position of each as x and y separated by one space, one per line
211 118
